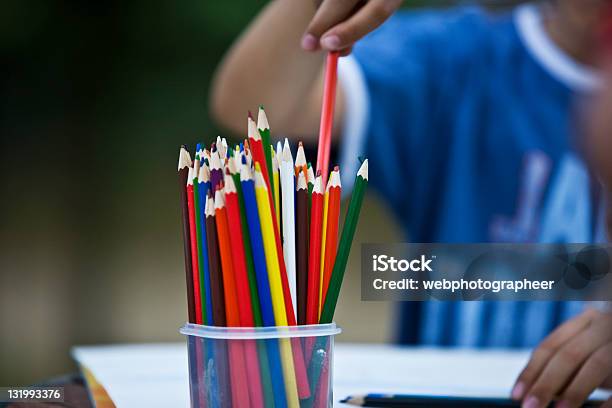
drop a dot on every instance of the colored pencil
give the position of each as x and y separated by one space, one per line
257 245
276 186
236 164
194 246
203 188
243 291
302 237
216 277
238 367
327 113
236 242
198 207
258 158
300 162
334 188
322 252
259 261
310 178
344 247
300 367
276 290
264 130
272 262
227 262
314 257
216 172
288 218
184 164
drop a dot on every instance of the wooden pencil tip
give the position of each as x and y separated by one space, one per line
184 158
363 170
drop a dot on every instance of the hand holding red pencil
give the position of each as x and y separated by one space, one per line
338 24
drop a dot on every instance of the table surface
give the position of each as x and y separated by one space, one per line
155 375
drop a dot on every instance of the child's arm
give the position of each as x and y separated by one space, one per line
268 64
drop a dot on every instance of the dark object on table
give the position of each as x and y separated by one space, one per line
419 401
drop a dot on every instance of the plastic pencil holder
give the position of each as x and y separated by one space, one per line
260 366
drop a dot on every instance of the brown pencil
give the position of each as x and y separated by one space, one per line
301 239
216 277
183 171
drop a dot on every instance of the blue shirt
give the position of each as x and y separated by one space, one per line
468 122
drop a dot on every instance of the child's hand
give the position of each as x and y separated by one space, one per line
338 24
569 364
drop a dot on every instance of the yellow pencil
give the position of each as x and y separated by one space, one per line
276 289
276 186
323 234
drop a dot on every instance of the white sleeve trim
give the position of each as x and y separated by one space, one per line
602 306
553 59
356 119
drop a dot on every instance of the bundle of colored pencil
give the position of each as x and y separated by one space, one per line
261 240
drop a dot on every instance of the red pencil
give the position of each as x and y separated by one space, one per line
242 288
238 375
194 248
331 235
327 113
314 258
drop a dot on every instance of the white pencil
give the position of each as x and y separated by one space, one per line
287 174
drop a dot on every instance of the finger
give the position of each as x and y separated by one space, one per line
546 349
365 20
607 404
346 51
562 366
592 375
329 13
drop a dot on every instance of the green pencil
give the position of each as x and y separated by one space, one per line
344 247
197 205
264 130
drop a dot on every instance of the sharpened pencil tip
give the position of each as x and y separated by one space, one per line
262 119
363 170
184 158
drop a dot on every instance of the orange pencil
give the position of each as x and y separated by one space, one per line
238 375
331 235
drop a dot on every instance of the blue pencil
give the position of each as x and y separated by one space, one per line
263 286
203 187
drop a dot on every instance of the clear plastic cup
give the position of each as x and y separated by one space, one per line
261 366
